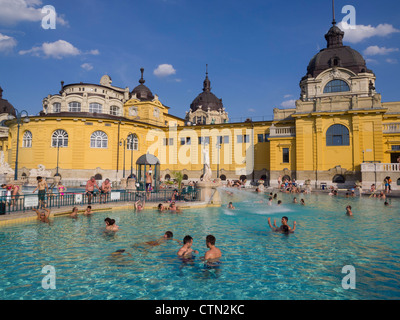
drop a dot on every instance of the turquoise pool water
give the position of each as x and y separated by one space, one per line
257 263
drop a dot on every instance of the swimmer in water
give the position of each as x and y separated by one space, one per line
294 200
88 211
43 214
279 202
302 202
270 201
167 236
110 225
139 206
348 211
284 228
186 250
213 254
120 252
230 206
74 213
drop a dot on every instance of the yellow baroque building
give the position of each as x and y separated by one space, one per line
340 131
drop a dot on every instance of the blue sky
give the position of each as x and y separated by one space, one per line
257 51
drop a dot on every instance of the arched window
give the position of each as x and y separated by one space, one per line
27 140
132 142
59 138
185 177
337 135
56 107
336 86
114 111
167 177
74 106
338 179
98 140
222 177
95 107
98 176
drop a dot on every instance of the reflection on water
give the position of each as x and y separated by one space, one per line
256 263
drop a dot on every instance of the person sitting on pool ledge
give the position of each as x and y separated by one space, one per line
213 254
282 228
186 250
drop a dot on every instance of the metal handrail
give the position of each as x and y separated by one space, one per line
21 203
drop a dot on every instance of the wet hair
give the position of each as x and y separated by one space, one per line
210 239
169 234
160 206
348 207
107 220
120 251
187 239
112 221
38 178
89 207
73 209
286 218
386 203
279 201
3 185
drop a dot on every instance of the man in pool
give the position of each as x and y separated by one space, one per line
167 236
348 211
285 228
230 206
42 214
186 250
213 254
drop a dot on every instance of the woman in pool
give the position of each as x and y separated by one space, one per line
74 213
110 225
230 206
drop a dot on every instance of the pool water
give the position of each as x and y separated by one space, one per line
257 263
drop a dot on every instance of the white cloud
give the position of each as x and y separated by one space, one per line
375 50
87 66
7 43
288 104
58 50
362 32
251 110
392 61
15 11
287 96
164 70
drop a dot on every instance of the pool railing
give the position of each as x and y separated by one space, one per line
26 202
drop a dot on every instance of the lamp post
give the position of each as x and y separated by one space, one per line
18 116
58 152
122 140
132 144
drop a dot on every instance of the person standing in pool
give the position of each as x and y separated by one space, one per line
213 254
42 215
284 227
186 250
230 206
348 211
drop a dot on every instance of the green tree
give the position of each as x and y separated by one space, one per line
178 177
